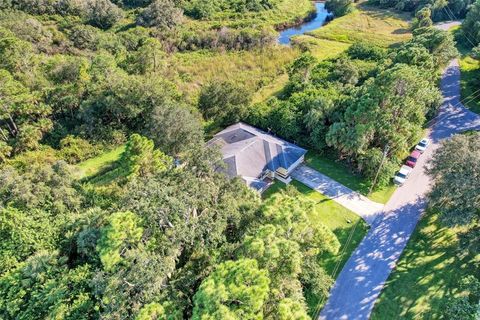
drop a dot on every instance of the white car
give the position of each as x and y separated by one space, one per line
422 145
402 175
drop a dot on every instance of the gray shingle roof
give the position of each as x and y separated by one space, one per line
249 151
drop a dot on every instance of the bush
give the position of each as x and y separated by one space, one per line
162 14
103 14
84 37
339 7
366 51
423 19
224 102
74 149
369 164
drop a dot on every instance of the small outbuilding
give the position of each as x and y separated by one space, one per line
256 156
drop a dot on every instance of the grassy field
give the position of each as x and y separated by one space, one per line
427 273
321 48
344 223
381 27
252 69
339 172
470 82
100 164
285 13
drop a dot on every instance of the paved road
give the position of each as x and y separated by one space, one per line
364 207
445 26
363 276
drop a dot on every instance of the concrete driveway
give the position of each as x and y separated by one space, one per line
364 207
360 282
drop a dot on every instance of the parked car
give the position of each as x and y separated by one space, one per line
422 145
402 175
413 157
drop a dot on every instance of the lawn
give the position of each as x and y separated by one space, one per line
100 164
381 27
348 227
341 173
470 82
427 273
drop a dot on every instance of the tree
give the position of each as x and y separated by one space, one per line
439 43
467 305
16 55
202 9
43 186
23 233
454 168
150 57
289 214
121 234
174 128
292 310
141 159
471 25
339 7
389 110
75 149
234 290
160 13
44 287
224 102
103 14
282 259
152 311
423 19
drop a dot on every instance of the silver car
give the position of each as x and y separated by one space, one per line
402 175
422 145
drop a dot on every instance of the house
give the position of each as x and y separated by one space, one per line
256 156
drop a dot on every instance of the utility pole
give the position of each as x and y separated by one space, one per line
385 152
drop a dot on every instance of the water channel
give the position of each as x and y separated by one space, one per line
320 19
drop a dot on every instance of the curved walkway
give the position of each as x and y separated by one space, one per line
361 205
363 276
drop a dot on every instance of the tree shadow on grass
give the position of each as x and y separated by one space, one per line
426 274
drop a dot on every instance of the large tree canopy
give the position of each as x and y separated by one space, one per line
454 168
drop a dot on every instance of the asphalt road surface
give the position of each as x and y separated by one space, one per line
363 276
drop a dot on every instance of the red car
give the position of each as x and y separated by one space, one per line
412 158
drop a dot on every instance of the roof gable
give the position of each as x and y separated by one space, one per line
249 151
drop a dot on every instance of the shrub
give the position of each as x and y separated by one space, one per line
339 7
162 14
365 51
103 14
75 149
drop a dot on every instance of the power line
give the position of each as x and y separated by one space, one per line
337 266
452 16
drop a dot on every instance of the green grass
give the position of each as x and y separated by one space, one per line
341 173
380 27
426 275
100 164
470 83
340 220
253 69
321 48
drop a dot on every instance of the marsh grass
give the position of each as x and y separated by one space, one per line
378 26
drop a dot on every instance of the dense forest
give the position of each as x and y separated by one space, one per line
161 234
